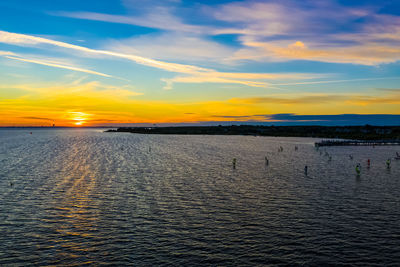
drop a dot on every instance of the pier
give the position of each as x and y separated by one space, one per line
358 143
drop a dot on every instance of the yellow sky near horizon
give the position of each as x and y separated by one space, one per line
92 104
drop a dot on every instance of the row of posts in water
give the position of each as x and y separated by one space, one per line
280 149
358 166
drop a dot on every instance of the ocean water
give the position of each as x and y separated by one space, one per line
82 196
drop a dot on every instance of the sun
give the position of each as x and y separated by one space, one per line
79 118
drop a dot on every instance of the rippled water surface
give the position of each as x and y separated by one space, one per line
82 196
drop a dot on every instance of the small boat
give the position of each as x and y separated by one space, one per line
397 155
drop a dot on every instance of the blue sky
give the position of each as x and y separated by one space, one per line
176 61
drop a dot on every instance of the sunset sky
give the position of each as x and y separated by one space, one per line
129 62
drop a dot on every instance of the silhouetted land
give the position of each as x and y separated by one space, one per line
366 132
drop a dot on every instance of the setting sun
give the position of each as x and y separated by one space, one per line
79 118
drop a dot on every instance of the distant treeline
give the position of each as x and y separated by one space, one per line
366 132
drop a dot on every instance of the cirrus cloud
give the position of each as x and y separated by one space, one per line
193 73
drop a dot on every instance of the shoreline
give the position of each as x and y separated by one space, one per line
367 132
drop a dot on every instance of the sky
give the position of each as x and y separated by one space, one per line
175 62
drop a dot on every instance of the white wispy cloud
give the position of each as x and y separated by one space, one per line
159 18
248 79
193 73
55 65
6 53
266 29
167 15
339 81
365 53
210 79
173 46
25 39
270 31
288 18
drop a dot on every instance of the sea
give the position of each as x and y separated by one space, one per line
76 197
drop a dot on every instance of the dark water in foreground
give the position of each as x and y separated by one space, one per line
78 196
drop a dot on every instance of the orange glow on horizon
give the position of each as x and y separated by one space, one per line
91 105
